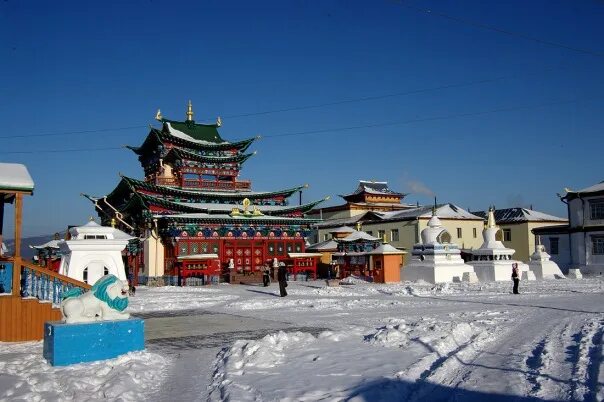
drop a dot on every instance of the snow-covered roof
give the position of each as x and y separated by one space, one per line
343 229
443 211
49 244
373 187
356 235
327 245
227 216
15 176
386 249
517 215
93 228
341 221
228 207
591 189
187 137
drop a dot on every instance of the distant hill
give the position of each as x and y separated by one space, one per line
26 251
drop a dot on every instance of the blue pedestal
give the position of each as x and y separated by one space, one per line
76 343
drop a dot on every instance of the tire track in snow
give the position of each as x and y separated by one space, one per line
547 364
587 360
442 368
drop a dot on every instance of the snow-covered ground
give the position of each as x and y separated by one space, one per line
362 341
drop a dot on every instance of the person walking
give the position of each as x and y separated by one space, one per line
515 277
266 278
282 278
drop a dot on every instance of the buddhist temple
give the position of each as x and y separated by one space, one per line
493 261
193 214
435 259
369 196
357 253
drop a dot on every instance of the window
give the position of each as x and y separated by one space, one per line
596 209
553 245
394 235
507 234
597 244
85 275
459 233
381 234
94 237
326 237
474 232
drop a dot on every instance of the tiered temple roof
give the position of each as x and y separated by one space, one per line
191 177
372 191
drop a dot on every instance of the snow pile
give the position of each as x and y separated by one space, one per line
26 376
353 280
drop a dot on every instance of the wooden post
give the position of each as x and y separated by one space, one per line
17 259
18 222
1 217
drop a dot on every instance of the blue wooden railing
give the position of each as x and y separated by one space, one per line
47 285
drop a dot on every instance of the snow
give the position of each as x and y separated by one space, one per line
187 137
14 176
358 341
591 189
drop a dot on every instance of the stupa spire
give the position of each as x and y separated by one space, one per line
190 111
491 218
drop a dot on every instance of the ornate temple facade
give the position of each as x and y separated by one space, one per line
195 217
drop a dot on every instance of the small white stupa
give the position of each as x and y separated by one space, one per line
93 252
434 260
541 264
493 261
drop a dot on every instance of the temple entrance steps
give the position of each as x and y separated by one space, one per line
24 311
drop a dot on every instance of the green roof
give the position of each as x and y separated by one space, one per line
181 154
128 185
200 132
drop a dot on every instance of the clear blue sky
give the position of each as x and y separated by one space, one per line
73 66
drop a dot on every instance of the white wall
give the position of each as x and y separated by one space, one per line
563 257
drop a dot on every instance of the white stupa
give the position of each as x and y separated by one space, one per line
542 266
435 261
93 252
493 261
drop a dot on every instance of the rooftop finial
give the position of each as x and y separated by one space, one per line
491 218
158 116
190 111
434 208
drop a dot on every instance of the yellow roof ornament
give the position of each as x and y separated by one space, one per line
158 115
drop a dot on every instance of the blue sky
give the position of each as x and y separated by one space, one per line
75 66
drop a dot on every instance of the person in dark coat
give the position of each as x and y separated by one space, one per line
515 277
282 278
266 278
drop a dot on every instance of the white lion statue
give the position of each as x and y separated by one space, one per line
106 300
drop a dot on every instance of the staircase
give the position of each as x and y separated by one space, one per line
35 299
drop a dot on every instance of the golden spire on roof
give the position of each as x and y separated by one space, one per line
190 111
491 218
